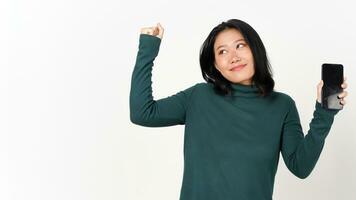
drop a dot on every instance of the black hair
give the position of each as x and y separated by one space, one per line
262 77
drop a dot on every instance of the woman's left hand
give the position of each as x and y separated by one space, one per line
342 95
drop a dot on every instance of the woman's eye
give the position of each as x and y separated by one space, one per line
220 52
240 45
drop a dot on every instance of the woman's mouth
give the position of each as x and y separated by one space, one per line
238 67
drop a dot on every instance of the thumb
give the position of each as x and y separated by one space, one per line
160 30
319 88
321 83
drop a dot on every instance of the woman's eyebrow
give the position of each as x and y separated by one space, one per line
233 42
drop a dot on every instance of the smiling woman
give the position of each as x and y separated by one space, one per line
231 145
233 57
233 53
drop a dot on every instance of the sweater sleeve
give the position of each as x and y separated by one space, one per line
144 110
300 154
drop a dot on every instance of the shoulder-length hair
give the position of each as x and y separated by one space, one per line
262 77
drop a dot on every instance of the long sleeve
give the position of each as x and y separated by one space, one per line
300 154
144 110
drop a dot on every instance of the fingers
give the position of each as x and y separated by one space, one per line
342 95
148 30
154 30
344 84
343 102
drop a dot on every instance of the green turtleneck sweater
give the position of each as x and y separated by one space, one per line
231 145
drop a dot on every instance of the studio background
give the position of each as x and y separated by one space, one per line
65 72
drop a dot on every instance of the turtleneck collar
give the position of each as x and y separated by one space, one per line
241 90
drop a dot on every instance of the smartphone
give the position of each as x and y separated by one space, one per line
332 76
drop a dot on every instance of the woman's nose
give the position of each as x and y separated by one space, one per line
236 58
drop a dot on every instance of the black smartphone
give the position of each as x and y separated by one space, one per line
332 76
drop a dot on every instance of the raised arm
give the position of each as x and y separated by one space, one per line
144 110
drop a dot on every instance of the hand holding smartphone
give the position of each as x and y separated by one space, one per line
332 76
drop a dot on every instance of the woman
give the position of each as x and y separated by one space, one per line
235 124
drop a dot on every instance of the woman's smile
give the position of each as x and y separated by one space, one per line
238 67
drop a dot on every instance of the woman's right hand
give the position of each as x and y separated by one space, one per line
154 31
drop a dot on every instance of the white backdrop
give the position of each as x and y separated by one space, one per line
65 71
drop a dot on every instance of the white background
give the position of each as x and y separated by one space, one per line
65 71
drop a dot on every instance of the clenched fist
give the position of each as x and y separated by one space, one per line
155 31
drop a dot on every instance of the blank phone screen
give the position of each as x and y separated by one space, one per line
332 75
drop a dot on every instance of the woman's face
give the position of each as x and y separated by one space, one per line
233 57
